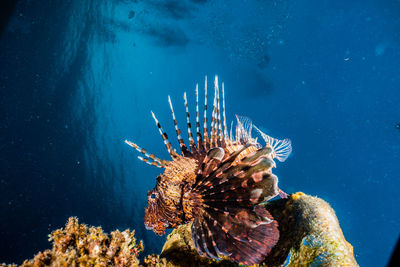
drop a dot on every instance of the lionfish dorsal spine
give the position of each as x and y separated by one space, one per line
152 163
220 136
164 136
150 158
281 148
193 147
223 114
206 138
198 132
215 136
214 121
182 145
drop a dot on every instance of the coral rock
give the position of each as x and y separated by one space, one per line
80 245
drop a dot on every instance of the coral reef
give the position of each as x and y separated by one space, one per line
309 233
80 245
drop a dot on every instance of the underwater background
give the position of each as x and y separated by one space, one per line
79 77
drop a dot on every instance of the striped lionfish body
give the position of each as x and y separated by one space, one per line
217 183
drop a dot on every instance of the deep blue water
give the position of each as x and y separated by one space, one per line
79 77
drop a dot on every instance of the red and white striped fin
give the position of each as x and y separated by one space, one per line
212 124
193 147
220 136
214 131
182 145
151 156
281 148
223 113
150 162
206 139
230 133
164 136
243 129
198 132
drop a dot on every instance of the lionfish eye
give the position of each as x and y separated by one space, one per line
153 196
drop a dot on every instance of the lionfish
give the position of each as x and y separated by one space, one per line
217 184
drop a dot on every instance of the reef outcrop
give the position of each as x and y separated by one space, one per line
310 235
80 245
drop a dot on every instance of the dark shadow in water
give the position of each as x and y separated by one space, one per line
7 8
176 9
264 62
131 14
199 1
43 173
395 258
167 36
257 85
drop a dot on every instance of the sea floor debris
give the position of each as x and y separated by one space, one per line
309 233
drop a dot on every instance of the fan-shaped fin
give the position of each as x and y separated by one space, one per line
243 129
281 148
245 236
227 162
230 221
204 239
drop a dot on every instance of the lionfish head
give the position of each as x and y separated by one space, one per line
152 214
164 207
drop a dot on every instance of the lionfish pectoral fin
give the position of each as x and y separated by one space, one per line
245 236
231 223
282 148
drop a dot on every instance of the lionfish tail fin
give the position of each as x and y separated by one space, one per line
281 148
231 222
